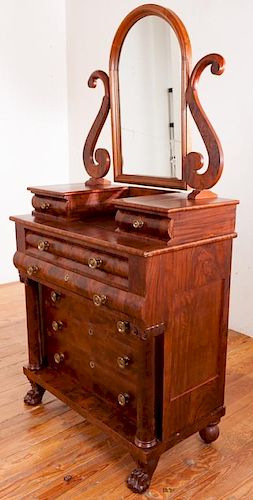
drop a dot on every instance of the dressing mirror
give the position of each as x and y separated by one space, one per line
148 90
150 100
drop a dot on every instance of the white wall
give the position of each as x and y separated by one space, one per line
223 26
33 109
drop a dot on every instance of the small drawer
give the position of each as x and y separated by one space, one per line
144 224
89 261
49 205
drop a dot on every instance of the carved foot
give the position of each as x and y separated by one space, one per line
210 433
34 396
139 480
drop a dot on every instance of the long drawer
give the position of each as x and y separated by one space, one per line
100 265
91 349
100 296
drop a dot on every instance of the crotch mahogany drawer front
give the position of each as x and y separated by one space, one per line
47 205
144 224
91 262
101 296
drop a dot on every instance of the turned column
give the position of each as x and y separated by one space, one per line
146 422
35 350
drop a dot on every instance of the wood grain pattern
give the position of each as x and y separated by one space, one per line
194 161
173 311
97 170
50 441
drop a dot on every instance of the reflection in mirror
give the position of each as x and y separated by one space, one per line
150 100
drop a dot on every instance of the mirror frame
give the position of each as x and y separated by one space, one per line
185 46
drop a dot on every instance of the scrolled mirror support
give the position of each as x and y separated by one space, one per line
194 161
97 170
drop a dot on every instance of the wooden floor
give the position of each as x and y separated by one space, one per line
42 445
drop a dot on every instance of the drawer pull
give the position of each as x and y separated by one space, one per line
138 223
123 399
92 364
43 245
44 205
55 296
95 262
58 357
32 270
123 326
123 361
57 325
99 300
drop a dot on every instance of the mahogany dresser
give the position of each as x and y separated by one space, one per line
127 287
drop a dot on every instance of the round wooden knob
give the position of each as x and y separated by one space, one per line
55 296
138 223
123 326
99 300
32 270
43 245
95 262
58 357
57 325
123 399
123 361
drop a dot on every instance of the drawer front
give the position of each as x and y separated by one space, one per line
84 260
46 204
101 296
94 352
144 224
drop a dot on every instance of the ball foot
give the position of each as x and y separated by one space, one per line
34 396
210 433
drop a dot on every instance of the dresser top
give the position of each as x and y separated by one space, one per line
97 232
168 203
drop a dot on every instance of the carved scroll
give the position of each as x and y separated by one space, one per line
102 157
194 161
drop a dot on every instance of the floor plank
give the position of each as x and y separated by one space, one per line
40 446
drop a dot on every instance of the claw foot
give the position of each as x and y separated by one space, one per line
138 481
34 396
210 433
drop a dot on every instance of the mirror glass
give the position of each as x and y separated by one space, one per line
150 100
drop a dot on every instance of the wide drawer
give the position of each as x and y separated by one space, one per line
100 296
89 261
104 360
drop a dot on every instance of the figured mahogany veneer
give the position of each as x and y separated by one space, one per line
138 344
127 288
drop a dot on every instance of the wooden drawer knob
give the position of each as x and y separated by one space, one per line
123 326
55 296
95 262
57 325
99 300
138 224
43 245
58 357
44 205
123 361
32 270
123 399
